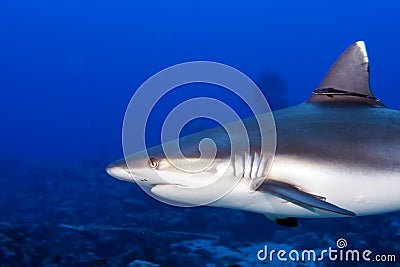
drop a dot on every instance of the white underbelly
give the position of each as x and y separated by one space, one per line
363 191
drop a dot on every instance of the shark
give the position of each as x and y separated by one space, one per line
337 155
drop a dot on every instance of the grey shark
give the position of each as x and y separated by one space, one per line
337 155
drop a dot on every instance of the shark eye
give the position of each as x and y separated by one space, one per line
153 163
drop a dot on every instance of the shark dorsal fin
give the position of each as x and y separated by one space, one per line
348 79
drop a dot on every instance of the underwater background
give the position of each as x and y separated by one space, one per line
67 72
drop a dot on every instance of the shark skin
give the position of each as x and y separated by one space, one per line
337 155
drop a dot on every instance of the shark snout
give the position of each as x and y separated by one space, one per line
118 169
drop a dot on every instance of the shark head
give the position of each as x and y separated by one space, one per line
196 162
197 169
192 178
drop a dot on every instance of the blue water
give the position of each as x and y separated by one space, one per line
67 72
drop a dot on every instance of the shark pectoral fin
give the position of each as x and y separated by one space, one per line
284 221
294 195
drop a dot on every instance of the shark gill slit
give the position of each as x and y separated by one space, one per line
250 165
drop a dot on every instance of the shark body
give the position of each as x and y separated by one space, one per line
337 155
